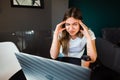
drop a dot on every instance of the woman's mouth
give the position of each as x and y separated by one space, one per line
71 32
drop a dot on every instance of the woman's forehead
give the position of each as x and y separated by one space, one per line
71 20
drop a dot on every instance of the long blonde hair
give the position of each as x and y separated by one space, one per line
65 37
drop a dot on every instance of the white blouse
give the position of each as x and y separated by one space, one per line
77 46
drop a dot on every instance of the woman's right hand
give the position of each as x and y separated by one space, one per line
59 27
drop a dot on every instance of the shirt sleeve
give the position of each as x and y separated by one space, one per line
92 34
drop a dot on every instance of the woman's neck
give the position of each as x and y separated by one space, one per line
73 37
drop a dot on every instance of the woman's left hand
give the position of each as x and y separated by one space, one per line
84 29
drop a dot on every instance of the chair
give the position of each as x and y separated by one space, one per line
109 54
112 35
107 65
9 64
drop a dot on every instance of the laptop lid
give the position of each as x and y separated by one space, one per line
40 68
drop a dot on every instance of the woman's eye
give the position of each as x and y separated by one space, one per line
75 24
67 24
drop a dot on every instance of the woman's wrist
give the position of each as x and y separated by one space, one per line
55 35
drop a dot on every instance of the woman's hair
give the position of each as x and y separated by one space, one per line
64 39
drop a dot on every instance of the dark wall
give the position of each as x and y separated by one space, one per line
15 22
98 14
13 18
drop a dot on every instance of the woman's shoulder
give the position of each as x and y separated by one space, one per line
92 34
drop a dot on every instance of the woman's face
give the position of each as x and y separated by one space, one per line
72 26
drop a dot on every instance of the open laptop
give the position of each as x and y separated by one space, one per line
39 68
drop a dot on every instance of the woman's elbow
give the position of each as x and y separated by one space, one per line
53 56
94 58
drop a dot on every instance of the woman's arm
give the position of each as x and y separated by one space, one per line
91 50
91 47
55 47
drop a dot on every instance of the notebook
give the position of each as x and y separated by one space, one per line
40 68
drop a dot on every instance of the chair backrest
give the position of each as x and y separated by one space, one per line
9 64
108 54
110 35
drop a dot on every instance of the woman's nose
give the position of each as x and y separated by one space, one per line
70 28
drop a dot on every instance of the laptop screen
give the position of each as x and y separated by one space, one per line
40 68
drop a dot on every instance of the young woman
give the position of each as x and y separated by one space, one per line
72 36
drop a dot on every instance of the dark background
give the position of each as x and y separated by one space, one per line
99 14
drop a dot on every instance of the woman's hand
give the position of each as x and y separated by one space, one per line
85 29
59 27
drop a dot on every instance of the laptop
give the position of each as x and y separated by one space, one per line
40 68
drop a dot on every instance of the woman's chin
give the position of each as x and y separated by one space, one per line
72 34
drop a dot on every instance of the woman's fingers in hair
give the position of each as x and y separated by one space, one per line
83 25
59 27
61 24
